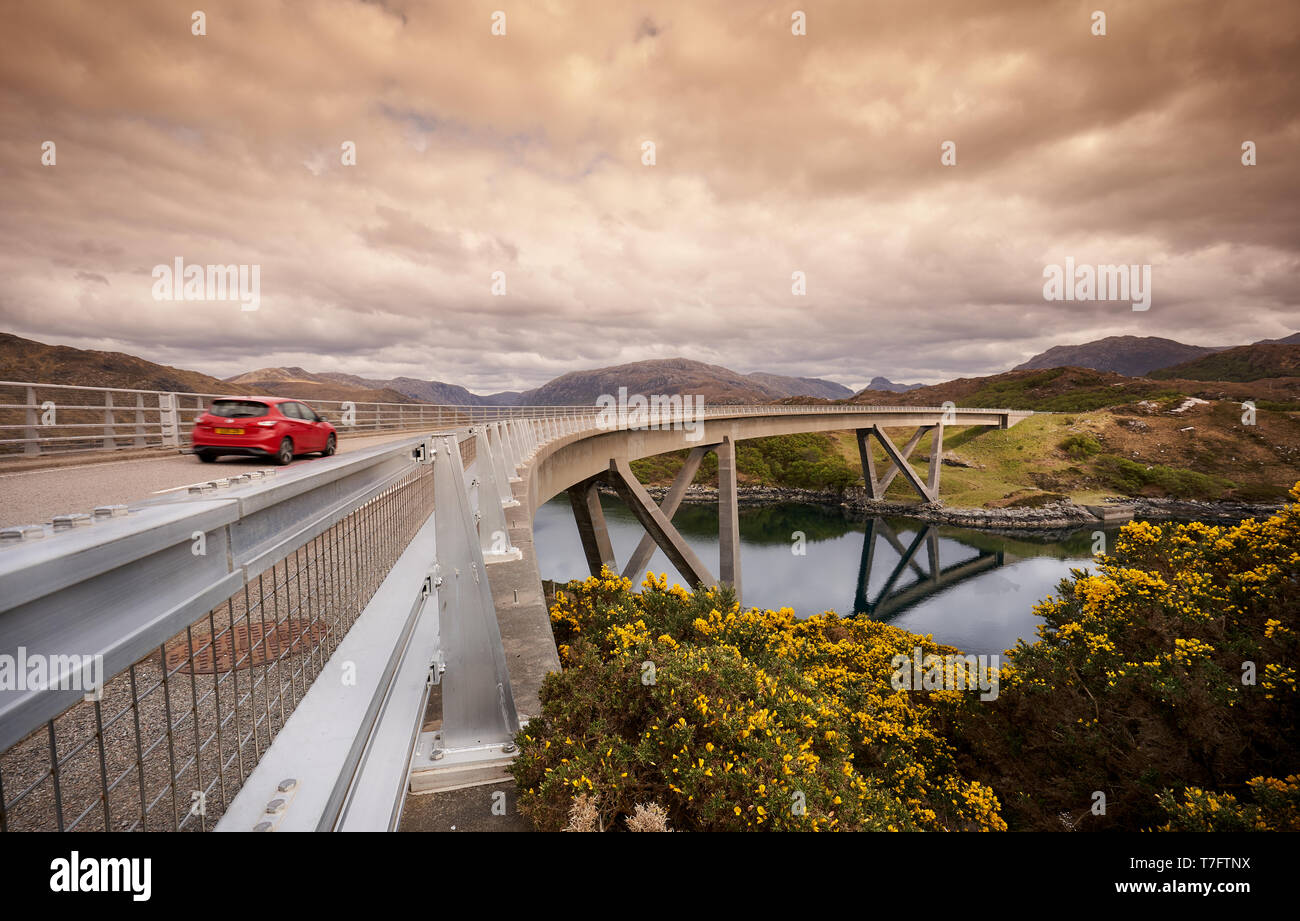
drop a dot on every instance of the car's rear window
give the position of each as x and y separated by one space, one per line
236 409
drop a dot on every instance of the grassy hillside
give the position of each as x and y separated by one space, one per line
1244 363
1151 448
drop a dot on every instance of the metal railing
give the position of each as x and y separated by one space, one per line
49 419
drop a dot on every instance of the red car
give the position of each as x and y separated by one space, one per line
273 427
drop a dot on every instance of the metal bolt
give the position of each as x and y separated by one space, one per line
22 532
508 748
287 785
110 511
263 826
75 520
276 806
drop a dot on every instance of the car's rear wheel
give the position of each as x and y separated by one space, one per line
284 456
206 456
330 446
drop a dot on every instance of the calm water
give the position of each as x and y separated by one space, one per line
981 602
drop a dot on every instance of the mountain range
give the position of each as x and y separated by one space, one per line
1133 356
668 376
1125 357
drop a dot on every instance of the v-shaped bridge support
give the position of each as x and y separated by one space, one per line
657 519
898 461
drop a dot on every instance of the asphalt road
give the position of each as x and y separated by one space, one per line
35 496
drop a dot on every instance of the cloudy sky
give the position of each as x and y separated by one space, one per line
523 154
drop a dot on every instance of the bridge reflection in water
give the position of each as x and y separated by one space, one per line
893 598
967 587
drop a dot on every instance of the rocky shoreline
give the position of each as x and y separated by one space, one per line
1056 516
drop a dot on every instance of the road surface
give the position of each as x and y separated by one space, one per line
36 496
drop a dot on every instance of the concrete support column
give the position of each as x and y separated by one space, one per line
868 464
584 497
936 462
728 517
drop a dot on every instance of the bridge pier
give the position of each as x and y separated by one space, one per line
584 498
657 519
728 516
898 461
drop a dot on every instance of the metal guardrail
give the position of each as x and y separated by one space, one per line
212 614
39 419
177 639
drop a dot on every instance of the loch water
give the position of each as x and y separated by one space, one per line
969 588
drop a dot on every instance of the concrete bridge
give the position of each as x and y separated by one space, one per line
334 635
581 465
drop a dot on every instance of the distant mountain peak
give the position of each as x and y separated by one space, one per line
884 383
1132 356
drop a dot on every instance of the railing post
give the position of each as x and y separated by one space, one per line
478 708
494 533
504 452
33 446
141 435
516 446
169 415
110 442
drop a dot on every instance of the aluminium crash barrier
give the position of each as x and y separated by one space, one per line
183 640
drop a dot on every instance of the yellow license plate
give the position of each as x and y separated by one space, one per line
230 431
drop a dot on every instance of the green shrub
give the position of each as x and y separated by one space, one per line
1134 478
1080 446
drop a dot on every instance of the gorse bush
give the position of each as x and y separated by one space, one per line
1275 807
735 720
1168 671
1165 679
